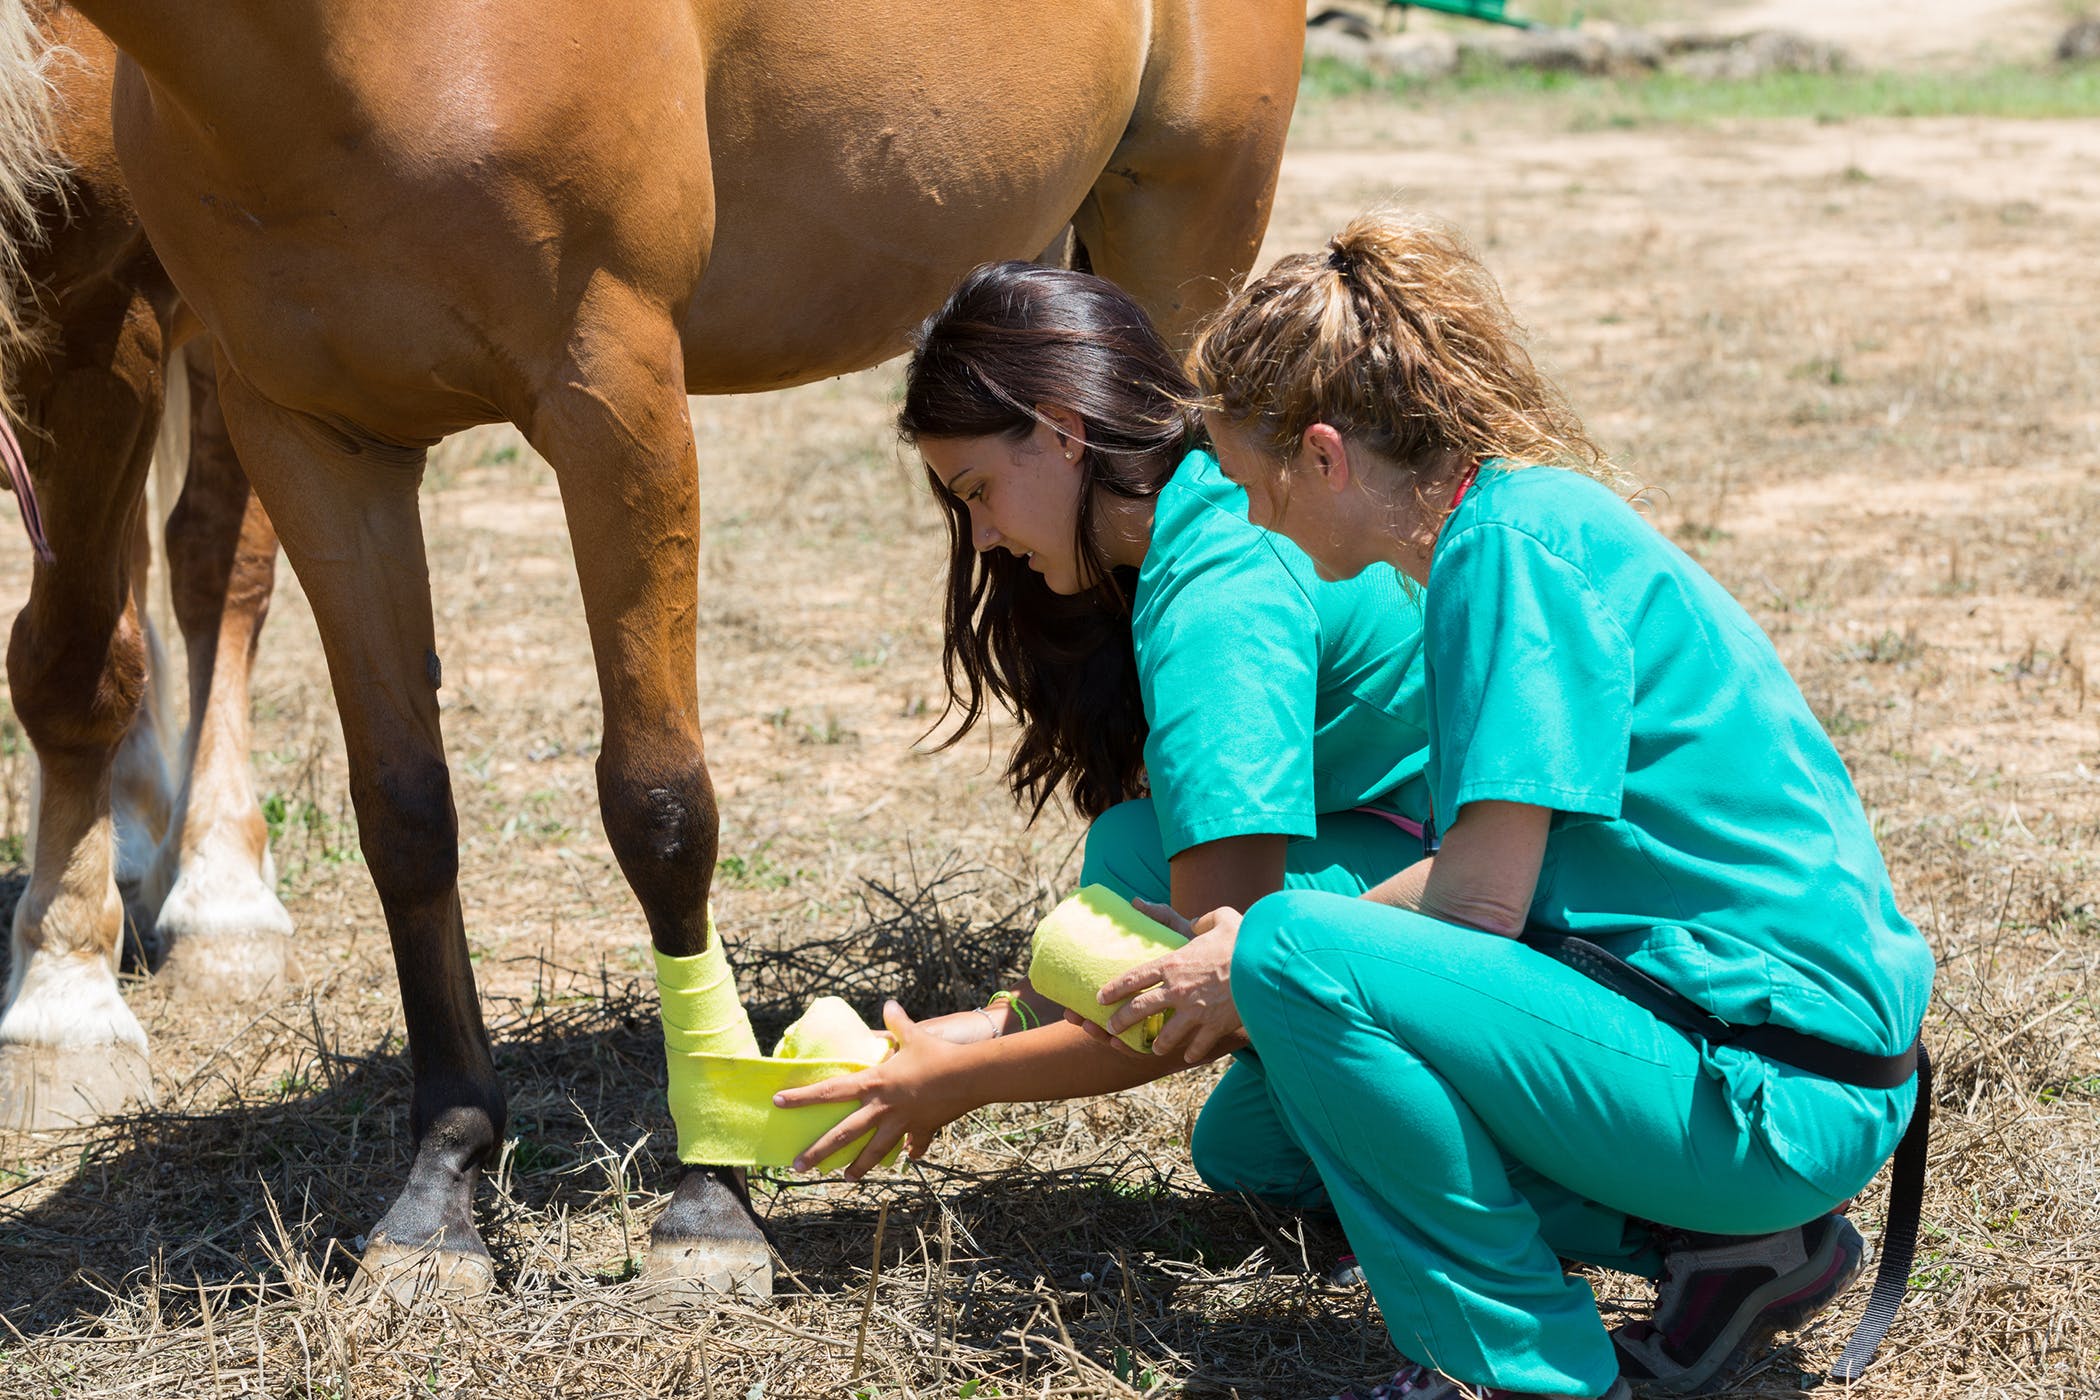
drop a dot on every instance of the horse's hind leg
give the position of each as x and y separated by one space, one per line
617 431
1178 216
223 930
346 510
69 1047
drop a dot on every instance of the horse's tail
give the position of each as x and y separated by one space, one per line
32 175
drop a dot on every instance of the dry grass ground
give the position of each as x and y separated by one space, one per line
1855 362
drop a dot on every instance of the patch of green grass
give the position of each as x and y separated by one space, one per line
1129 1372
758 871
1589 103
329 838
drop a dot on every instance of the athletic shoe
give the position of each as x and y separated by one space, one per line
1421 1383
1722 1297
1346 1273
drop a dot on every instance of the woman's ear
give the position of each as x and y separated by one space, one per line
1067 428
1325 451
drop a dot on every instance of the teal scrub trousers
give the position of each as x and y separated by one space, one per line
1241 1144
1477 1111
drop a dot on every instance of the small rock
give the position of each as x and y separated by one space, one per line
1428 54
1630 49
1592 49
2080 43
1338 45
1754 55
1546 50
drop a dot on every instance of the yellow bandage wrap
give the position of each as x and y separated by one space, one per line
722 1089
1089 939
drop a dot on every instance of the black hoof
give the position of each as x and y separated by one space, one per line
707 1244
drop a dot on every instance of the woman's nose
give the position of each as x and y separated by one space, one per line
982 533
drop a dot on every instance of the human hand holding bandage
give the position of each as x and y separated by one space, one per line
909 1097
1097 948
1089 938
1191 986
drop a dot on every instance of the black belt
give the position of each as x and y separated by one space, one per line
1899 1240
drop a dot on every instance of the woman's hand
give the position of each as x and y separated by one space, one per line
913 1094
1194 982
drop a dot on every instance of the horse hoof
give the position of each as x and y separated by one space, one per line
42 1088
706 1245
224 934
409 1274
694 1273
226 967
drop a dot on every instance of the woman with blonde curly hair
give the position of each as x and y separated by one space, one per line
1650 1003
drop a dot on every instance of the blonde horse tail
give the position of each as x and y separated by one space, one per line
32 176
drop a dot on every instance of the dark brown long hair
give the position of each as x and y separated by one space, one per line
1014 336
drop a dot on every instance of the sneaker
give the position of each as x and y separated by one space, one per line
1721 1297
1421 1383
1346 1273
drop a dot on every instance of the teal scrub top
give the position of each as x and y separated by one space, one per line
1704 826
1272 697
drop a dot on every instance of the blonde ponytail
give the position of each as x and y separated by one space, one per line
1396 336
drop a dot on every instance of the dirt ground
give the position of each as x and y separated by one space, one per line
1902 33
1854 363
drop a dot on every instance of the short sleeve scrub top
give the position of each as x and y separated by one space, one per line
1704 827
1278 704
1477 1110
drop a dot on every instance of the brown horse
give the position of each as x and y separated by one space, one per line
87 357
405 217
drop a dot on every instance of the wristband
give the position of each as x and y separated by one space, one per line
1013 1001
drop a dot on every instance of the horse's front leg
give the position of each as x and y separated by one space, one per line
616 429
70 1049
345 509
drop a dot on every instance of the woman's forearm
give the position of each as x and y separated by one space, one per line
1485 874
1403 889
1056 1061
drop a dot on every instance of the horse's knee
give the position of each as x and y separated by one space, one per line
661 822
408 830
76 685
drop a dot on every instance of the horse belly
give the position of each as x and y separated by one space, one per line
863 161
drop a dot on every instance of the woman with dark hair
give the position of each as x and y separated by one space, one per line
1231 725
